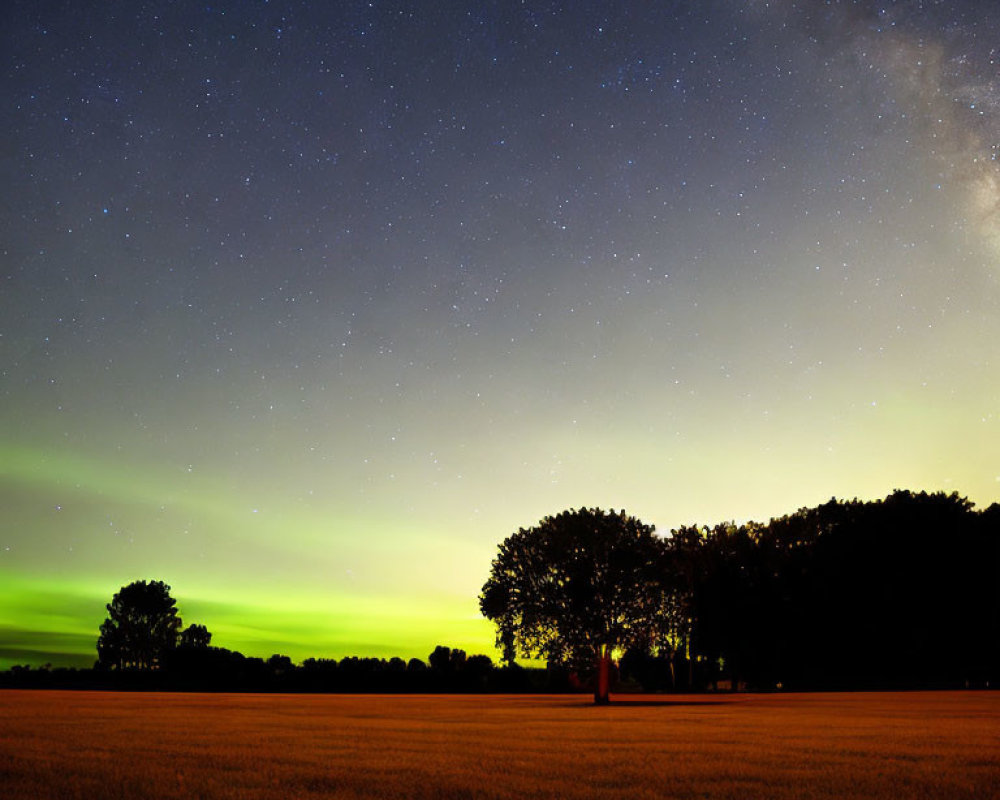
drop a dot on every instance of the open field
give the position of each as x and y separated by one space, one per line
126 746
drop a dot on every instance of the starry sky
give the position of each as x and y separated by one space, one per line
306 306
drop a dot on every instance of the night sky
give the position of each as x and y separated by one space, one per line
305 307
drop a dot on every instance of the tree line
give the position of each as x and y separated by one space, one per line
217 669
142 644
898 593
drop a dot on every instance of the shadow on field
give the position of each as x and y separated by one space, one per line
647 702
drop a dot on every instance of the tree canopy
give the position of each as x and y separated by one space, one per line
142 625
196 637
850 594
578 587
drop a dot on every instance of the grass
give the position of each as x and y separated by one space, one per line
120 746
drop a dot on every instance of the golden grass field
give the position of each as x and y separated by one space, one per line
123 746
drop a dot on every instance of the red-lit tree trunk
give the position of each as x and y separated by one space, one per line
602 686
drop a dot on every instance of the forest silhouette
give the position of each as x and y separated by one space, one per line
900 593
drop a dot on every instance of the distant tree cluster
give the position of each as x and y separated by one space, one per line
142 643
903 592
218 669
142 629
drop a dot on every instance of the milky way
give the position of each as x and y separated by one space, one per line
304 307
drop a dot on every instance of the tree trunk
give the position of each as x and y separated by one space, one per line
602 687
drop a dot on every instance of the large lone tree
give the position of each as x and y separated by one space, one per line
578 587
142 625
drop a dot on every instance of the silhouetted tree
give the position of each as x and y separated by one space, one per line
142 625
578 587
477 670
195 636
440 659
279 665
458 660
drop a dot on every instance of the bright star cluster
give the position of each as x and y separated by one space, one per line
306 306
